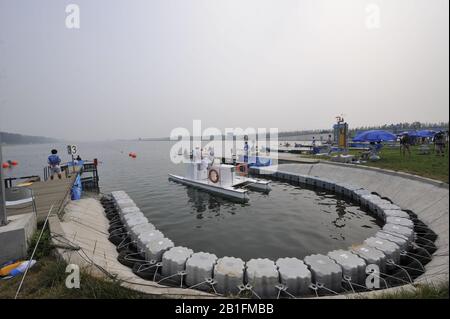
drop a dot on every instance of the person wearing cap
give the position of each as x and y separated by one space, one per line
53 162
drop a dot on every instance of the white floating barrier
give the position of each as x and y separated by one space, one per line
329 185
263 275
199 268
352 265
295 179
356 195
229 274
129 223
129 210
390 249
324 183
282 175
406 222
402 230
325 271
339 188
398 239
124 203
146 238
349 189
137 230
116 195
369 200
134 214
371 255
381 206
295 275
174 260
311 181
302 179
394 213
155 249
375 204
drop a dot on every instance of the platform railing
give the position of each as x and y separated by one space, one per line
9 182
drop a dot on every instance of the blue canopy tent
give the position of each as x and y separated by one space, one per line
425 133
374 136
410 133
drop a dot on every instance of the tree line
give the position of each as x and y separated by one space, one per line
14 138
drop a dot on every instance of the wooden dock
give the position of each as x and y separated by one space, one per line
46 194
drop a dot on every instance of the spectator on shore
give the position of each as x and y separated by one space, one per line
329 140
439 142
405 143
53 162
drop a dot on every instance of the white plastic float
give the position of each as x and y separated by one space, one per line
124 203
295 275
371 255
174 260
145 238
406 222
199 269
134 220
325 271
155 249
353 267
262 275
390 249
402 230
137 230
394 213
398 239
229 274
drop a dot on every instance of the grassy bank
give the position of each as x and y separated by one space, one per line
422 292
430 166
47 280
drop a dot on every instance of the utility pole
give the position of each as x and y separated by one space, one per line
3 219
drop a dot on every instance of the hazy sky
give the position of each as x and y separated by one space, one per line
141 68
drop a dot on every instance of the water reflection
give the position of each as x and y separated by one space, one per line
203 202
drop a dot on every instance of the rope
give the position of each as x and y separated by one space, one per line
86 258
322 286
404 270
34 251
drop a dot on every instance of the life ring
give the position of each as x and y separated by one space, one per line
242 172
213 175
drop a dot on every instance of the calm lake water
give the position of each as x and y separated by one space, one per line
288 222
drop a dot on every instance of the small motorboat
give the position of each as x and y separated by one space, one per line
221 179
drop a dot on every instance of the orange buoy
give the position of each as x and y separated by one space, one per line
5 165
14 163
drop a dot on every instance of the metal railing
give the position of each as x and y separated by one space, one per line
9 182
87 167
